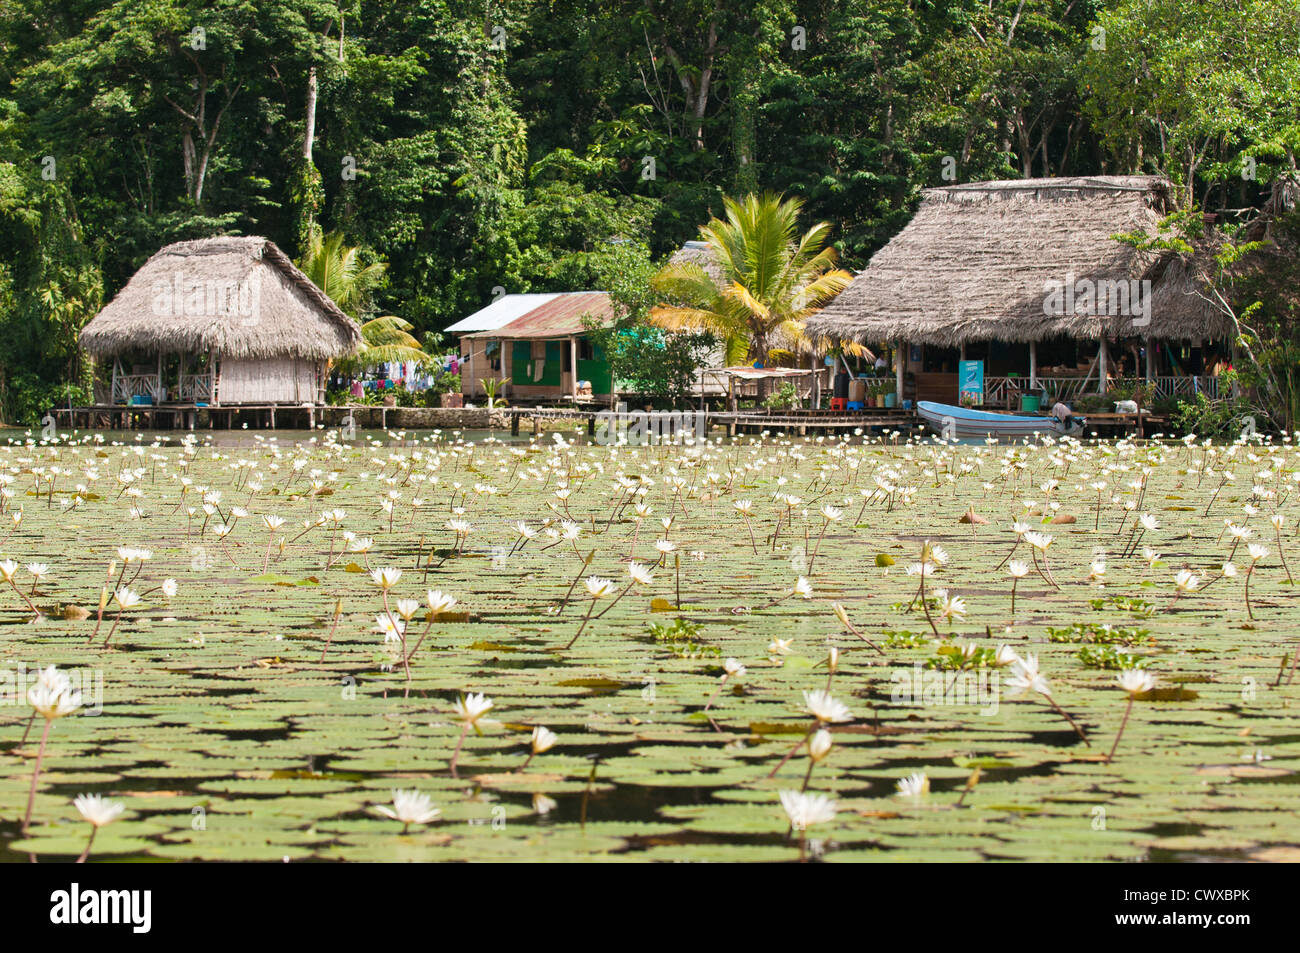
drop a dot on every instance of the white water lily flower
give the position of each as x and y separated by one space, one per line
7 569
805 810
824 708
1185 580
951 607
916 784
819 746
470 708
386 578
744 507
802 587
733 668
53 701
1018 569
831 514
98 810
1005 656
1025 676
272 522
169 588
640 574
407 608
1256 552
439 601
410 807
543 739
391 628
1040 541
126 598
38 570
778 647
599 587
1135 681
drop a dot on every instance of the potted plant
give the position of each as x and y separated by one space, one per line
490 387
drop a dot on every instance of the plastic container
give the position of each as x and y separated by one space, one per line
858 390
891 400
856 405
1031 403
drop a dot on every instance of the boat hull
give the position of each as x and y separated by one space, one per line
953 421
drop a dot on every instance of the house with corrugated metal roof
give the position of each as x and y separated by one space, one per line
538 342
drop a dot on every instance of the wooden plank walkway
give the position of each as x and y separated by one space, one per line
185 416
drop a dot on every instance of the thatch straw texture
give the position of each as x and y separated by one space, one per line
239 297
975 264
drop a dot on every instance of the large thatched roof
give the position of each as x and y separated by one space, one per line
238 297
975 263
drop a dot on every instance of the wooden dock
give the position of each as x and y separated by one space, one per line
187 416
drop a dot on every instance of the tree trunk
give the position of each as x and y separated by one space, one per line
309 134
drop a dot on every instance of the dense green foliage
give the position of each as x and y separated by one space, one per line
474 145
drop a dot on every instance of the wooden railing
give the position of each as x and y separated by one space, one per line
196 388
127 386
1000 390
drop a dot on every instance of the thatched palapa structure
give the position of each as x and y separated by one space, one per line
220 321
1020 262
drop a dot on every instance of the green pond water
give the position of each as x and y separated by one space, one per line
229 731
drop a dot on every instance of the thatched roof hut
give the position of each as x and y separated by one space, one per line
979 262
240 298
220 320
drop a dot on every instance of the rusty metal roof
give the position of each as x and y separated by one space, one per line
559 317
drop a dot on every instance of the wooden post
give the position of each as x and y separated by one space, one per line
1102 354
1151 364
900 362
514 425
816 382
573 366
1033 365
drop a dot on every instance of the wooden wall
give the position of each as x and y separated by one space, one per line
281 381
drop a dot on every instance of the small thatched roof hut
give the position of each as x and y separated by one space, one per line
238 297
977 262
220 320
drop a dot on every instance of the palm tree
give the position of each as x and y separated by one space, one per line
384 340
772 278
337 269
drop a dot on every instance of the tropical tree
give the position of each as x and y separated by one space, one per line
385 340
338 270
771 278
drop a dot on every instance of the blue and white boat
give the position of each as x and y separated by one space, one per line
949 420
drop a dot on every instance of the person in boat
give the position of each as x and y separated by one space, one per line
1062 412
